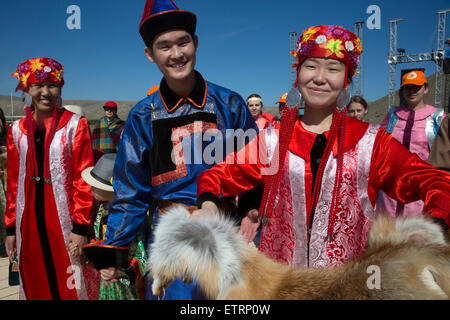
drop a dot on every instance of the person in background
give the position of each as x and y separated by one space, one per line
48 202
281 103
440 150
130 287
415 125
164 124
107 130
357 108
255 105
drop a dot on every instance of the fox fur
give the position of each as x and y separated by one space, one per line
412 256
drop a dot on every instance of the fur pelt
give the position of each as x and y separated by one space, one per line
411 256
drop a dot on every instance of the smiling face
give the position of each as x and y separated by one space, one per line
44 97
175 54
414 94
356 110
255 107
320 82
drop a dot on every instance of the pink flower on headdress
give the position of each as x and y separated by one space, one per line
23 67
41 75
306 47
338 32
54 65
346 37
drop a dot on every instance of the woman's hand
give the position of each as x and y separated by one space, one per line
250 225
75 244
11 247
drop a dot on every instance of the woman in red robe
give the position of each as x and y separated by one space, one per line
322 171
48 202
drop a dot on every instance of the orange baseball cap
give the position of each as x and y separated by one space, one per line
282 98
414 77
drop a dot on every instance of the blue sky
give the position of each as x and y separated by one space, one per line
243 45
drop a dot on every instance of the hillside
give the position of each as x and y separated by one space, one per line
93 108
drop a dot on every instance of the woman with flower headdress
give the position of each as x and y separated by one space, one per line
322 171
48 202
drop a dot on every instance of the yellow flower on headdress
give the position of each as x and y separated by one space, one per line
358 45
24 78
307 34
36 64
334 46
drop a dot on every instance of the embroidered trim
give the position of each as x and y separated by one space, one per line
177 137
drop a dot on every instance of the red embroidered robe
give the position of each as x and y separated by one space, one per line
373 160
67 200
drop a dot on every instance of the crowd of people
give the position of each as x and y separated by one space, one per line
82 204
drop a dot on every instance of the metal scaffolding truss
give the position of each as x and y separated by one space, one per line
293 37
397 56
392 59
357 78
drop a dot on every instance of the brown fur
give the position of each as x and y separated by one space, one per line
400 267
404 260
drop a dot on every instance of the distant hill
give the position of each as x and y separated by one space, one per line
93 108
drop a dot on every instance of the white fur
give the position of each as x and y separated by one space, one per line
177 240
430 231
428 279
211 249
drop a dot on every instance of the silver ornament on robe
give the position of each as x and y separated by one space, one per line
294 98
343 99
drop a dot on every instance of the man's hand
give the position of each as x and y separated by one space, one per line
75 244
208 208
250 225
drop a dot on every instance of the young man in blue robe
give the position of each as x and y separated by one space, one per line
170 137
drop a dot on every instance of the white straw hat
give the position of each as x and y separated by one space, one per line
100 176
74 109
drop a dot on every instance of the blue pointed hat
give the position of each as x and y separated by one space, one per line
164 15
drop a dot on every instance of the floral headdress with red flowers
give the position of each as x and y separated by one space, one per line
38 70
325 41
